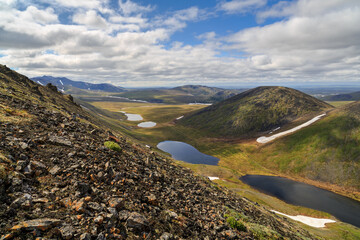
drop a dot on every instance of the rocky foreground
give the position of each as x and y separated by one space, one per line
59 181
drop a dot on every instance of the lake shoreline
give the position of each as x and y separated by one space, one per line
301 194
350 193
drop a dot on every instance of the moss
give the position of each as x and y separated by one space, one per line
236 224
113 146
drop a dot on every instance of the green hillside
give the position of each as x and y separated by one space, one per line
254 111
327 151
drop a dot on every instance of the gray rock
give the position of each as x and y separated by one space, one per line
85 236
60 140
23 201
23 145
55 170
83 188
95 206
67 232
166 236
124 215
137 221
21 164
101 236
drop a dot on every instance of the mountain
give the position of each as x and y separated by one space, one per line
207 94
183 94
326 151
254 111
354 96
63 175
65 84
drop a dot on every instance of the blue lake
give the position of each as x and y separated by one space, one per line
187 153
302 194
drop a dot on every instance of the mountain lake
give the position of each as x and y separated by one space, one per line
302 194
186 153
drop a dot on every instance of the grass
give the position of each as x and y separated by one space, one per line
246 157
338 103
159 113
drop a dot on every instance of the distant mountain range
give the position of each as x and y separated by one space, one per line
63 84
183 94
255 111
354 96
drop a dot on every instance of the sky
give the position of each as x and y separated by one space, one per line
142 43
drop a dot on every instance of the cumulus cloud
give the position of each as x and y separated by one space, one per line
241 6
98 43
90 4
314 42
128 7
91 19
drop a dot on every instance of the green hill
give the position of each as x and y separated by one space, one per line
327 151
255 111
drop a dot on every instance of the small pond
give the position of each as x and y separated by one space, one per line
133 117
147 124
302 194
187 153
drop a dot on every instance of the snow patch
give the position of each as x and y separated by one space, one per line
313 222
264 139
200 104
180 117
61 82
40 83
213 178
147 124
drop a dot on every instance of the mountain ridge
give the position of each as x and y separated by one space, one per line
62 83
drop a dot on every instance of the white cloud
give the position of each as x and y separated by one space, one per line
90 4
311 43
241 6
305 8
47 16
178 19
126 46
91 19
128 7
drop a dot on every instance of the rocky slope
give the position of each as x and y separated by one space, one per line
59 181
255 111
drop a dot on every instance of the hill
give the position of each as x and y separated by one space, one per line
63 175
327 151
254 111
182 94
65 84
354 96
